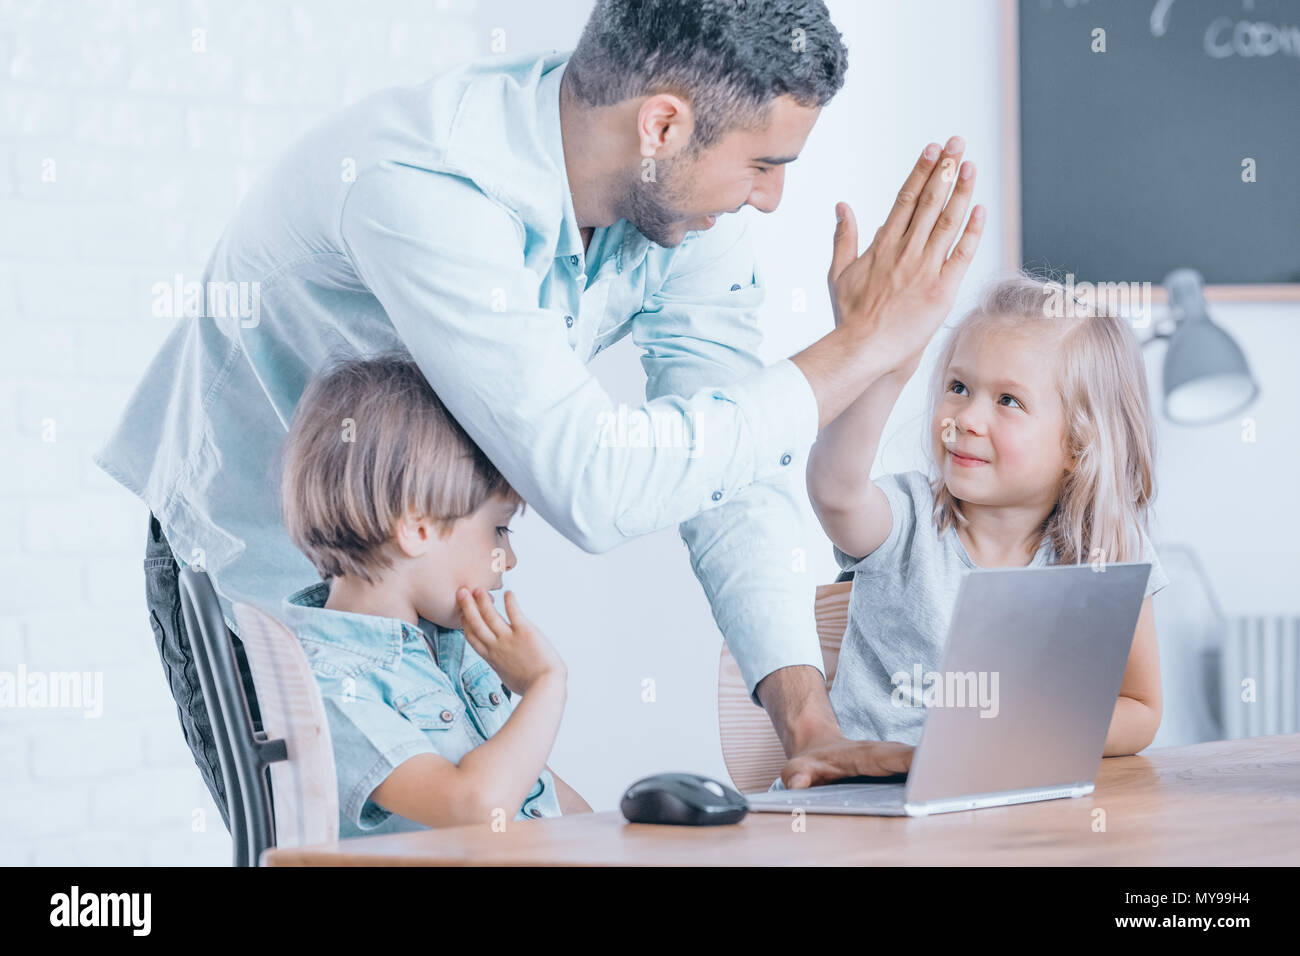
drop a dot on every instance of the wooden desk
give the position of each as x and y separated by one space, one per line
1222 803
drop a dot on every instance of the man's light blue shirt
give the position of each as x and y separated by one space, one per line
438 218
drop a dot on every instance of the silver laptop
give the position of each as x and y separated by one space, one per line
1022 702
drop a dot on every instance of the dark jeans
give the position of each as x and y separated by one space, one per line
162 593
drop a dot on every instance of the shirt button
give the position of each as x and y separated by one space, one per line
736 287
568 320
494 697
447 716
717 496
785 459
573 260
534 812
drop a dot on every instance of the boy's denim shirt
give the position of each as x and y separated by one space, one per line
387 699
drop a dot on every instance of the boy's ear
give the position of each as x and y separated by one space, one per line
413 535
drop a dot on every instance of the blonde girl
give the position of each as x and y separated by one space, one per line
1041 437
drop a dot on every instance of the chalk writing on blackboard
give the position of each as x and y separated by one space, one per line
1225 37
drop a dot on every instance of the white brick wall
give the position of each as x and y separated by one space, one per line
151 145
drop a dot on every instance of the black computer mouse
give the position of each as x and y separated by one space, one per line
686 799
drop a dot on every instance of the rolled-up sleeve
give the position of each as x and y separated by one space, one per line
1157 580
701 329
447 263
370 740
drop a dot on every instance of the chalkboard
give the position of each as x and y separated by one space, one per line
1134 161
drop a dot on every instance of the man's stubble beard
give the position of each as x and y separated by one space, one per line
653 207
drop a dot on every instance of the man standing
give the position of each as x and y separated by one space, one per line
506 221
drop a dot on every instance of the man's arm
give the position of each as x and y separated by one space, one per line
448 265
697 330
796 700
700 329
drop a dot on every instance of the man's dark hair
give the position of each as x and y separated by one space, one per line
728 58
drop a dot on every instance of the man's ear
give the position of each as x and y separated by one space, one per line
665 124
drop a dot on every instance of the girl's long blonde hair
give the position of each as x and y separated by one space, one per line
1108 425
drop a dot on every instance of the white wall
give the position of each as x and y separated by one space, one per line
154 144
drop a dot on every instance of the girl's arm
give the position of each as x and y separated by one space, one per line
1137 711
496 775
852 510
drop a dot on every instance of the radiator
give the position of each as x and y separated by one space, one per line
1264 651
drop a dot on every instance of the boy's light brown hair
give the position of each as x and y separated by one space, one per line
370 442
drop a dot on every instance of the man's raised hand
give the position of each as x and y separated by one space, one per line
898 291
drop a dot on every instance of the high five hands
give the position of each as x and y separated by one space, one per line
898 291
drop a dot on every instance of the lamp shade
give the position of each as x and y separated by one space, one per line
1206 376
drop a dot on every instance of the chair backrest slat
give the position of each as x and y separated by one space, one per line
304 786
750 747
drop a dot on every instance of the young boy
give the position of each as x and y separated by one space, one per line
405 519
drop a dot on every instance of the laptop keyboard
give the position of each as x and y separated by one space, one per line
858 796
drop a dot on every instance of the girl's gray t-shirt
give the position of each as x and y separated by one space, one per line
901 604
